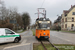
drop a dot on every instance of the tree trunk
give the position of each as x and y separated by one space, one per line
24 28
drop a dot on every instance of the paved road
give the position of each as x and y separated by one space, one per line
55 37
27 37
62 38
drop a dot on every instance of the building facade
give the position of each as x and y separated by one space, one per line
68 19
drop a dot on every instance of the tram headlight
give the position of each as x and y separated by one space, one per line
48 27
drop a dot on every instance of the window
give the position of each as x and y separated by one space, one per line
73 13
65 19
72 26
44 25
65 14
72 19
65 25
62 26
8 31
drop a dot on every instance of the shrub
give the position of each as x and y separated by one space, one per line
7 25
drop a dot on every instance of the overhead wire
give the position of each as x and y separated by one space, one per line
42 3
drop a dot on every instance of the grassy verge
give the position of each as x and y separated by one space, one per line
49 47
68 31
65 46
33 32
37 47
65 31
55 30
40 47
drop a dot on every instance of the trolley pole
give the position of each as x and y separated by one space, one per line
45 13
42 13
38 13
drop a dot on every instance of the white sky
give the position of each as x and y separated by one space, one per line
53 7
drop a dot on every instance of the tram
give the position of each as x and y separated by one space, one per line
42 28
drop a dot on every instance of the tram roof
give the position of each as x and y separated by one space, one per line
42 19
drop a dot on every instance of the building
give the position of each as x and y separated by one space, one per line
68 19
57 22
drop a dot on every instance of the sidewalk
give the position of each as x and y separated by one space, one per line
27 46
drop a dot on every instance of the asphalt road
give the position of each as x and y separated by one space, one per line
62 38
27 37
55 37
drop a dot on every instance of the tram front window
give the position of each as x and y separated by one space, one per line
43 25
46 26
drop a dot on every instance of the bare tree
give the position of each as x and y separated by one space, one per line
26 20
12 14
2 10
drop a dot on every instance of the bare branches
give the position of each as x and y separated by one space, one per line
12 17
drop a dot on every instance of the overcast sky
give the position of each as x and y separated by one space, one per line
53 7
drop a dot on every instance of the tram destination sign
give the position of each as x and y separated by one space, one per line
44 22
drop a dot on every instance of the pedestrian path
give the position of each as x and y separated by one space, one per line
27 46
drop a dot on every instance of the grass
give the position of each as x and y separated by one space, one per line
49 47
65 46
40 47
68 31
65 31
37 47
33 32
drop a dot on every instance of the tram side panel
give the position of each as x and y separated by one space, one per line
37 33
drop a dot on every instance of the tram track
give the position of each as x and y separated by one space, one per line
43 46
49 43
53 45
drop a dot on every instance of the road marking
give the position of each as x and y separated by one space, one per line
24 42
16 46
